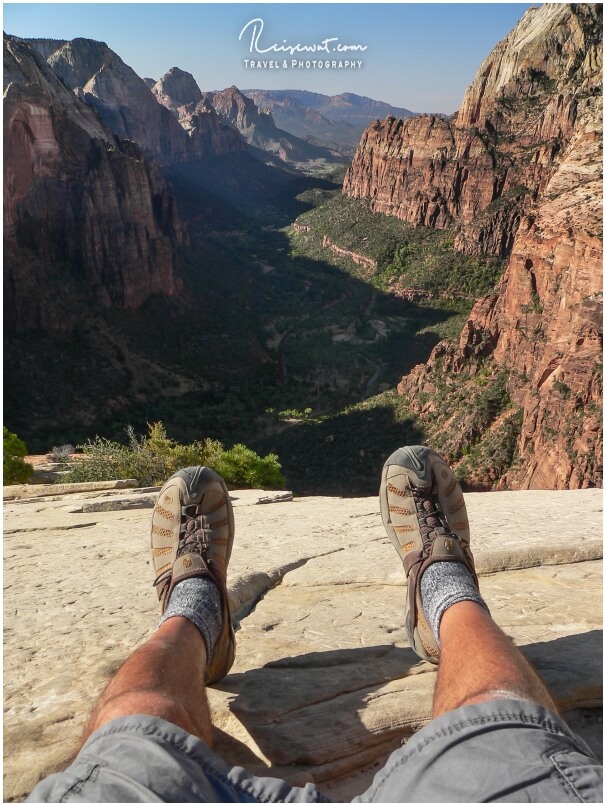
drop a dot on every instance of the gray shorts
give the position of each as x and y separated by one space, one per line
504 750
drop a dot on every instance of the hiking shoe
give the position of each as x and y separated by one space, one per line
425 517
192 536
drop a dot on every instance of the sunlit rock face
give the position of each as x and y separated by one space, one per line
518 173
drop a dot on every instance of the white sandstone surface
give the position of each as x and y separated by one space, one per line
324 686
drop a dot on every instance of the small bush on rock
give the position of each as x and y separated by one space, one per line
245 468
153 458
14 469
61 453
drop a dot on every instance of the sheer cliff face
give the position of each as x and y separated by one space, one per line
124 102
479 169
519 172
547 321
133 111
87 220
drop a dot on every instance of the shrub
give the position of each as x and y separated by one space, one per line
14 469
491 458
562 388
153 458
492 400
61 453
240 466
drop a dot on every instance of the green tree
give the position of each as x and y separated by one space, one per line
15 470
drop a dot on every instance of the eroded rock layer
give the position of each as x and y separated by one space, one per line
133 110
208 133
258 128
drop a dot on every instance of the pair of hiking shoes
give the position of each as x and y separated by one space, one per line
422 508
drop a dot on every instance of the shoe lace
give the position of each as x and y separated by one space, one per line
432 520
195 533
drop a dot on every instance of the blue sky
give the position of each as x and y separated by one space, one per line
420 56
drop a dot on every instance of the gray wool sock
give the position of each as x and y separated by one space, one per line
444 584
199 600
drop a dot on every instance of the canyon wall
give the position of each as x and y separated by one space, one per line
100 78
479 169
517 172
131 109
87 220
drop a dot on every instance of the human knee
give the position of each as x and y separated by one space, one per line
151 703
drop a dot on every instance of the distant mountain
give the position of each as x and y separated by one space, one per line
99 77
178 92
259 129
336 119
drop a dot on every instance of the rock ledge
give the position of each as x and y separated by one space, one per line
324 686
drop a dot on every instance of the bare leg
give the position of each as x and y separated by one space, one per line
478 662
163 678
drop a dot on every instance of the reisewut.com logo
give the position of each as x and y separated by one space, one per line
333 54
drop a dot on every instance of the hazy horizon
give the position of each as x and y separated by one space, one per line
419 56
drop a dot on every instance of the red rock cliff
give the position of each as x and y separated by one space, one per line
546 322
519 171
87 221
479 169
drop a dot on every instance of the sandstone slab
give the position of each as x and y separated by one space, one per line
324 685
142 500
22 491
115 504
